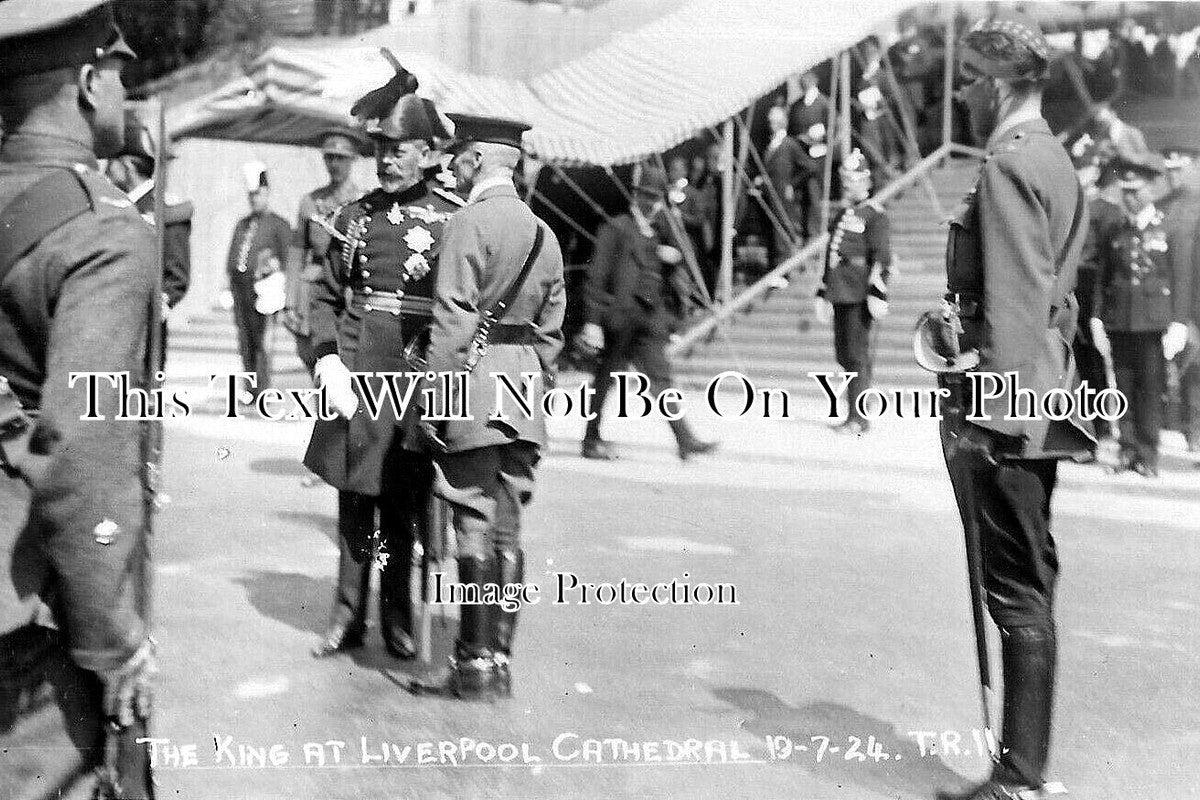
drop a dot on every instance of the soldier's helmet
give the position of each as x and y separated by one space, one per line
855 167
936 345
1009 45
395 112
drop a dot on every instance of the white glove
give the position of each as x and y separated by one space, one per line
1100 338
593 336
165 309
877 307
335 380
128 689
822 310
669 254
1174 340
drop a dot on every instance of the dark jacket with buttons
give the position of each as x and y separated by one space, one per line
392 246
272 237
1012 257
1133 288
73 539
858 241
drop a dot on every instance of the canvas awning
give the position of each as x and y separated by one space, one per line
641 93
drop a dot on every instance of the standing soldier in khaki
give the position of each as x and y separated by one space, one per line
1011 263
306 258
373 301
79 291
498 309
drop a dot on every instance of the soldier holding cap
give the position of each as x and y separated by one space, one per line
1011 262
498 310
853 290
257 252
306 258
625 307
1133 308
79 291
370 311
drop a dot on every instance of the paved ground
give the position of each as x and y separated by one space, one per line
852 622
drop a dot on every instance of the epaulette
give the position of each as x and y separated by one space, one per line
450 197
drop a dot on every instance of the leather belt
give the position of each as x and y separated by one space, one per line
512 334
968 307
394 303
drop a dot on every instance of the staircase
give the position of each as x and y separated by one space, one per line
777 342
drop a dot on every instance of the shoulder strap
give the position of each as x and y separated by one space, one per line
498 308
37 212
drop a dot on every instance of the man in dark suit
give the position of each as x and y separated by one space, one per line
626 308
853 292
1132 309
257 253
502 263
1011 265
786 172
79 286
133 173
1181 341
807 123
373 301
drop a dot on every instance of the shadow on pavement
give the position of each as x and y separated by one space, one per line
905 773
299 601
325 523
278 466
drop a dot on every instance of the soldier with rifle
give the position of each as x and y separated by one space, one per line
1011 262
79 291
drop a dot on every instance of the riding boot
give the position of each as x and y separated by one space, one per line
504 623
348 620
395 591
473 666
687 443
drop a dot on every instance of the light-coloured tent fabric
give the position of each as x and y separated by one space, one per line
640 93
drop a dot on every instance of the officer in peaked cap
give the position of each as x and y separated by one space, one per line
1012 257
78 291
1133 308
310 245
853 291
370 311
502 263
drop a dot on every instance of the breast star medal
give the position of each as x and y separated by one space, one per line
395 215
418 239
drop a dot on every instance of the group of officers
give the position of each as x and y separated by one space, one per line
410 276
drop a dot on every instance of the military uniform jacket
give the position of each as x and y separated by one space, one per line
1182 222
801 118
1003 254
1104 218
312 241
271 238
73 540
858 241
625 282
483 250
392 247
1133 289
177 244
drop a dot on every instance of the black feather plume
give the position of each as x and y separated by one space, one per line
378 103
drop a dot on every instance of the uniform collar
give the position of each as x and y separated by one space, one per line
414 192
1015 128
46 148
502 184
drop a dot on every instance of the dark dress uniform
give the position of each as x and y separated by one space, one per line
1103 218
857 265
257 238
1182 221
785 163
312 241
375 296
74 532
1011 264
487 473
804 118
1133 299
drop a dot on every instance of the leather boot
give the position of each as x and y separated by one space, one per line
687 443
395 594
473 666
504 623
348 620
1028 655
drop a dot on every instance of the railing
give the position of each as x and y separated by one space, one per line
764 284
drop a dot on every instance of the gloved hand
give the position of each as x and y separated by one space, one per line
877 307
334 379
128 693
593 336
1174 340
165 308
669 255
1100 338
822 310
